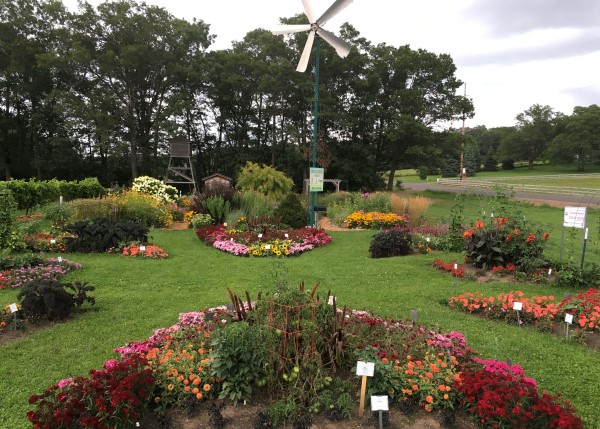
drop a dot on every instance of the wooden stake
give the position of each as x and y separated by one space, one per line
363 392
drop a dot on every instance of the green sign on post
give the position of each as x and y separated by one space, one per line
316 179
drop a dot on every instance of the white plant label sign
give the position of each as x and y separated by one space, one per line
517 306
569 319
574 217
331 300
53 241
267 246
380 403
365 368
142 248
13 308
60 259
259 235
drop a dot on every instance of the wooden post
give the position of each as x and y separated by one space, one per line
363 392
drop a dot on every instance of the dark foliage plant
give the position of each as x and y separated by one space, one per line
101 234
393 242
575 276
24 260
49 298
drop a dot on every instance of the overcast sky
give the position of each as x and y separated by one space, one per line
511 53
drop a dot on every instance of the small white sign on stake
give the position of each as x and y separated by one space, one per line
225 224
59 259
549 271
569 319
331 300
455 267
380 403
365 368
517 306
259 236
231 239
267 246
13 308
287 235
52 241
142 248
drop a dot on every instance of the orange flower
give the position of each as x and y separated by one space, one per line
187 388
415 387
206 387
186 381
478 224
195 390
196 381
429 399
385 360
428 407
468 233
198 395
446 396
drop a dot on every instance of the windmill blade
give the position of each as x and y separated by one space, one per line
341 46
309 10
287 29
333 10
306 53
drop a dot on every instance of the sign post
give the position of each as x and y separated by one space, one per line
364 369
574 217
315 185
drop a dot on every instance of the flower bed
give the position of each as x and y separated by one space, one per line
375 220
144 251
50 268
452 267
414 364
271 243
585 307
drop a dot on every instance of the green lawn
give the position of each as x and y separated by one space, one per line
134 296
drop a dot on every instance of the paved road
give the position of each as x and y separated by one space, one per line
550 199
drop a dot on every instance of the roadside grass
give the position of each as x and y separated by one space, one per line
135 296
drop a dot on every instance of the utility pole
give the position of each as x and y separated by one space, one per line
462 144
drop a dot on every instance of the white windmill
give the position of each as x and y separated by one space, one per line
341 47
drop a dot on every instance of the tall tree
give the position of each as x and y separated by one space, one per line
137 54
579 141
535 129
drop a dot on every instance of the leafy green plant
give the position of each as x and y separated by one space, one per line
504 241
392 242
256 205
239 354
58 214
217 207
454 241
282 411
7 218
575 276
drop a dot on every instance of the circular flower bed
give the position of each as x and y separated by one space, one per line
278 243
303 351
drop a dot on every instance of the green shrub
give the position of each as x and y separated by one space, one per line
239 354
574 276
143 209
7 218
58 214
392 242
217 207
503 241
263 179
90 208
291 211
20 261
255 205
101 234
49 298
423 172
200 219
376 202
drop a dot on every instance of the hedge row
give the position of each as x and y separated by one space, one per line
30 193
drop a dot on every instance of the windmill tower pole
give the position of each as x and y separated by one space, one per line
313 195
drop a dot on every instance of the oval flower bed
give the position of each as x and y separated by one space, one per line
539 310
277 243
307 363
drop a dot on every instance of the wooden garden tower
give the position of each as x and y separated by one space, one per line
181 169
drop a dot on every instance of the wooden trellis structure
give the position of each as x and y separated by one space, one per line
181 169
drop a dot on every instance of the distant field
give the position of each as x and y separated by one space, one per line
516 175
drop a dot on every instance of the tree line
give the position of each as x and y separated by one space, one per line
101 91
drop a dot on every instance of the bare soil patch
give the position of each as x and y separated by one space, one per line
245 416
